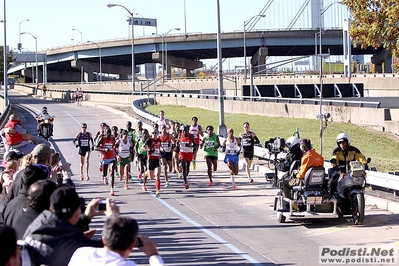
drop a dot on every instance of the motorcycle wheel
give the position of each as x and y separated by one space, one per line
358 214
46 133
280 205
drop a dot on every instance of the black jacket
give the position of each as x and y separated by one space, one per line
24 221
56 239
14 209
295 154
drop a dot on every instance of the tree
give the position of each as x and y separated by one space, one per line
375 23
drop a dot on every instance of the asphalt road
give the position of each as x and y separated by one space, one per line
205 225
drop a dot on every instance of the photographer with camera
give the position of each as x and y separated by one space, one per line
294 154
120 236
248 140
55 232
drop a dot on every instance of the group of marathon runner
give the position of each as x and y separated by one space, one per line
169 145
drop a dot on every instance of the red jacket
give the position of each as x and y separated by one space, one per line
13 138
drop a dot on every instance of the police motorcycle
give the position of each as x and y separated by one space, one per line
349 190
45 124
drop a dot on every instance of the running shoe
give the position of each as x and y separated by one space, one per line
180 176
186 185
166 184
100 168
144 188
112 192
102 177
106 181
251 181
194 165
174 171
158 194
210 183
234 188
120 177
126 187
140 176
87 177
141 181
81 177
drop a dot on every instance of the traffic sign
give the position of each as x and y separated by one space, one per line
151 22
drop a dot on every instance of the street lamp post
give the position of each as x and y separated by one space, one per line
5 59
75 40
37 68
166 51
99 48
245 41
138 14
79 32
322 116
133 64
222 126
20 43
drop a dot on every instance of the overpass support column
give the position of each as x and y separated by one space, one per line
347 49
179 62
258 60
385 57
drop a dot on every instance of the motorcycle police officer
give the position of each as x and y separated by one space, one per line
341 157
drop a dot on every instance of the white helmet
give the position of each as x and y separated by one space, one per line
343 137
291 141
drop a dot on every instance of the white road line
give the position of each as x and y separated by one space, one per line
211 234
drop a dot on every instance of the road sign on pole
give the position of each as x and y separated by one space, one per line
151 22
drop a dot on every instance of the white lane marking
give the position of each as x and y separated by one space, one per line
211 234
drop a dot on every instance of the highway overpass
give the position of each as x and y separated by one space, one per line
64 64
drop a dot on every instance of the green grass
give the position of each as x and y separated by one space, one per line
382 149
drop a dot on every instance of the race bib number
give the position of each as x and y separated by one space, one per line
84 142
166 146
246 142
210 144
156 152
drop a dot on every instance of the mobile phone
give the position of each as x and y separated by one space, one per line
65 166
139 242
102 206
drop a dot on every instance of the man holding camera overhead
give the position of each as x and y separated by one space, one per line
120 236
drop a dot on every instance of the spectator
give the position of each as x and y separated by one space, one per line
119 238
7 176
16 138
40 156
8 246
54 232
38 200
14 209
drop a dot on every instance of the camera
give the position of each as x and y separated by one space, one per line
275 145
102 206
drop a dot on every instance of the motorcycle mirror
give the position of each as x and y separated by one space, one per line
368 160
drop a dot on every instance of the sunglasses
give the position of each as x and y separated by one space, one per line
84 127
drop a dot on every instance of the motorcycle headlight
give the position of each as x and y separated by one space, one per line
46 121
